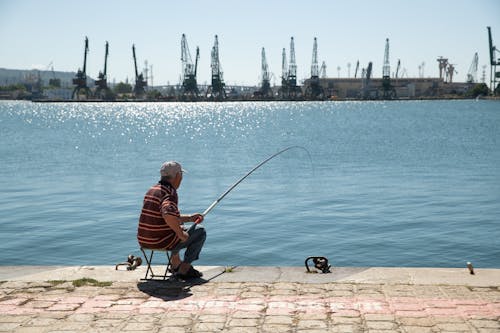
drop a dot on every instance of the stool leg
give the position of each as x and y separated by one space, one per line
169 265
149 262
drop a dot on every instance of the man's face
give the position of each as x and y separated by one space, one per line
177 180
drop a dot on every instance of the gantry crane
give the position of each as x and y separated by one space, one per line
388 91
283 91
216 91
140 83
494 62
289 88
102 91
366 76
265 90
80 80
293 90
322 71
450 71
314 90
189 85
443 63
397 68
472 74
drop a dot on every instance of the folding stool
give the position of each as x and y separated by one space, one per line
149 261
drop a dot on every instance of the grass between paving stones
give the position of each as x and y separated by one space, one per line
82 282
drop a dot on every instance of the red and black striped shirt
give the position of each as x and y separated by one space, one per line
153 231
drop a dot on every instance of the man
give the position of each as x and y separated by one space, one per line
161 224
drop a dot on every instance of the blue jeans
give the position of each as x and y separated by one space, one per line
193 244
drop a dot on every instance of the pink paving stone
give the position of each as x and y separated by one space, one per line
73 300
89 310
406 307
64 307
373 307
346 313
151 310
152 304
14 301
280 308
249 306
132 301
416 314
124 307
22 311
97 304
442 312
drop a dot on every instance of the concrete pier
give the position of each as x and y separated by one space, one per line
250 299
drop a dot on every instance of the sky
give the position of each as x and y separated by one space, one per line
36 33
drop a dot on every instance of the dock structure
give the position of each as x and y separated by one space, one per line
250 299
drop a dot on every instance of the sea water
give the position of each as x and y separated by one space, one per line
396 183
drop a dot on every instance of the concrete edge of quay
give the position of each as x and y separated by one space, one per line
267 274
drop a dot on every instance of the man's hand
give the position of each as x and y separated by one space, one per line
197 218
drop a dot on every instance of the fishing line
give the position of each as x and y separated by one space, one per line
216 202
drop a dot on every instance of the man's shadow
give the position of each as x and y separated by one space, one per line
173 289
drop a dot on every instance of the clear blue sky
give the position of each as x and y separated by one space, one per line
34 33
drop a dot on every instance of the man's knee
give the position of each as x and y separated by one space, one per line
200 232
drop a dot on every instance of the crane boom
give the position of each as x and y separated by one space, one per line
106 59
314 64
135 62
85 55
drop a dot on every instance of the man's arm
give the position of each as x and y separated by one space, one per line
174 223
191 218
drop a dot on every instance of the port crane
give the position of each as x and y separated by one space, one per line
189 70
397 68
140 83
494 62
80 80
216 91
289 88
314 91
443 63
472 74
356 71
265 90
322 71
366 76
388 91
293 90
283 91
102 91
450 71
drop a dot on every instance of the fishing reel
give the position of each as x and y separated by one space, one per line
320 263
132 263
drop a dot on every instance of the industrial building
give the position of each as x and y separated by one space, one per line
405 88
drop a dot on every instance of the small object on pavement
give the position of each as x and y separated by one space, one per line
320 263
470 267
132 263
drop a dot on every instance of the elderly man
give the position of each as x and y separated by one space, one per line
161 224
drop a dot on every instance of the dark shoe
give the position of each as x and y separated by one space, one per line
190 274
173 270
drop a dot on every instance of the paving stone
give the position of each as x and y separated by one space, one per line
278 320
454 327
416 321
138 327
8 327
208 327
380 325
416 329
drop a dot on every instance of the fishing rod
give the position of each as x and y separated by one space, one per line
216 202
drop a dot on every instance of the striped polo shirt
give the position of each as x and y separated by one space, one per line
153 232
